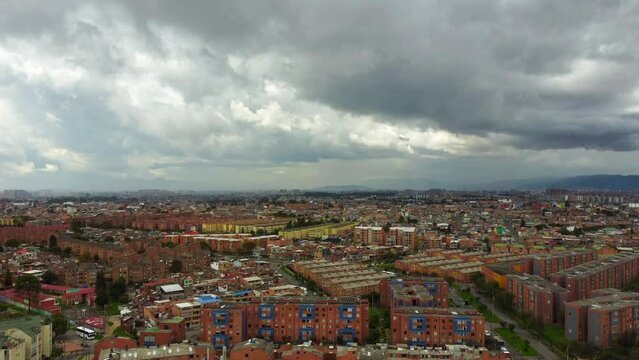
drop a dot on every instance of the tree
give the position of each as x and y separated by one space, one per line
60 324
28 285
176 266
101 297
205 246
100 280
247 247
101 293
49 277
118 288
76 226
8 279
53 242
12 243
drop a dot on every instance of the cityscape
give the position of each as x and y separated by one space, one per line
326 180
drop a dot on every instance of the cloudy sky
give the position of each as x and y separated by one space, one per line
297 94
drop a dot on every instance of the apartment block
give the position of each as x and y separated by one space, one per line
612 272
546 264
286 320
424 292
30 337
368 235
603 318
436 326
396 235
224 324
316 231
341 278
538 297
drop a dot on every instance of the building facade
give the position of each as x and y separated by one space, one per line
286 320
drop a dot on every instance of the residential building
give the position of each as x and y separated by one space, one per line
27 337
436 326
284 319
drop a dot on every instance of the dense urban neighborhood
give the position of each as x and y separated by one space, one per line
320 275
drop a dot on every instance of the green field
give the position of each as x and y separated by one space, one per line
555 335
518 343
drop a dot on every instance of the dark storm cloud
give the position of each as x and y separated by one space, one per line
465 66
151 89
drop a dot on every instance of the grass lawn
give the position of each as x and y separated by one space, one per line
111 309
517 342
555 335
121 333
287 270
384 267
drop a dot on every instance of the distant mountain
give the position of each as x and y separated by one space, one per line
586 182
342 188
599 182
407 183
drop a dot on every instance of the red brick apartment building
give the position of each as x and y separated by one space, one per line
423 292
536 296
612 272
603 318
167 332
397 235
34 234
286 320
437 326
546 264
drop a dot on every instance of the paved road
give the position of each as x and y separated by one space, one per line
541 348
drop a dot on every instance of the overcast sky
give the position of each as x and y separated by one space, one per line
277 94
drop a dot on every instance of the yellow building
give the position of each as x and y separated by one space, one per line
244 226
31 337
316 231
7 221
12 348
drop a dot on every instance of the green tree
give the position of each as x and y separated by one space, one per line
101 297
12 243
118 288
247 247
101 291
205 246
76 226
49 277
8 279
60 324
29 286
100 281
176 266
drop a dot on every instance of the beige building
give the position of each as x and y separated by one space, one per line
12 348
26 338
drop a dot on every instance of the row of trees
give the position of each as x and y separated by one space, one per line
491 289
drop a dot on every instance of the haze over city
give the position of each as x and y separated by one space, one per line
115 95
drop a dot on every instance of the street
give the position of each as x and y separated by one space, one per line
545 352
